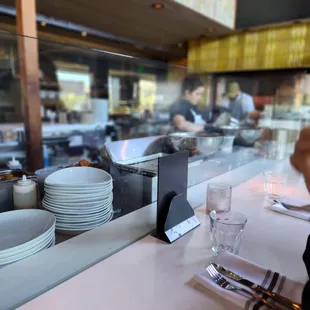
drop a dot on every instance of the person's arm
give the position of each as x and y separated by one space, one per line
300 160
182 124
249 109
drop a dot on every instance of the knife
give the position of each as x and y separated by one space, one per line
259 289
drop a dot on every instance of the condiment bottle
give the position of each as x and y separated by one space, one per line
25 194
14 164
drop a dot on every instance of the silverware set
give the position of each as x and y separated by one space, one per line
292 207
274 301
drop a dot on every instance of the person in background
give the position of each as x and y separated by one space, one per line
301 162
240 104
184 113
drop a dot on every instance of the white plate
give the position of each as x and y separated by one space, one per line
20 227
80 229
77 204
73 219
39 247
30 245
72 190
77 211
75 198
102 191
81 213
78 177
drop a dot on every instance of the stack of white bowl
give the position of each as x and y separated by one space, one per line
80 198
24 233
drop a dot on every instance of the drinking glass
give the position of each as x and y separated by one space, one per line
274 184
218 197
226 231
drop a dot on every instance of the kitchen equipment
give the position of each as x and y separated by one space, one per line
222 282
25 194
24 233
245 135
259 289
203 143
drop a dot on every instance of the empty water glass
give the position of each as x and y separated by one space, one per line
274 185
226 231
218 197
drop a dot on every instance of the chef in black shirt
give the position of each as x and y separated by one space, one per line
184 113
301 161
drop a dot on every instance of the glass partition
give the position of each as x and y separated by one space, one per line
112 111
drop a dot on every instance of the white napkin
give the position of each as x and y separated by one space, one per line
266 278
296 202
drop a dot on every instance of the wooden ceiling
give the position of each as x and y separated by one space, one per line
134 19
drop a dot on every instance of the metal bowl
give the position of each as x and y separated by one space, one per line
248 136
204 143
245 136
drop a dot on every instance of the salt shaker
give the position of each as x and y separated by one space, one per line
25 194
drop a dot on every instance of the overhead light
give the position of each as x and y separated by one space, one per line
180 44
43 24
211 29
157 6
83 33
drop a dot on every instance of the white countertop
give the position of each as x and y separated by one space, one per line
151 275
148 267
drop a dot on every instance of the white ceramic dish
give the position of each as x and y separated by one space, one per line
85 218
77 204
75 198
86 215
84 227
20 227
30 245
82 213
101 191
78 177
30 251
81 195
74 189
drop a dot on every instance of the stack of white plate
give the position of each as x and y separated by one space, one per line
80 198
24 233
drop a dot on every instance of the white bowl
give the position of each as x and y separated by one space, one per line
20 227
78 177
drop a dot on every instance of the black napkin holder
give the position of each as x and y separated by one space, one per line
175 216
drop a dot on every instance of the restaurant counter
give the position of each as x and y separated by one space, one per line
149 274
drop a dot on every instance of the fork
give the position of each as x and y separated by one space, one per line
222 282
294 208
